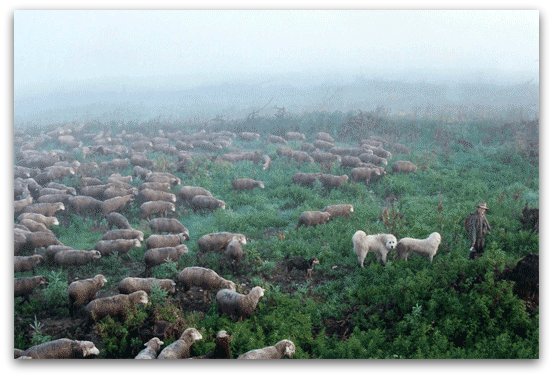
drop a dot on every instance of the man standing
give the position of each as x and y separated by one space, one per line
477 226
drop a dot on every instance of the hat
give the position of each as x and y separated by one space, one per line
482 205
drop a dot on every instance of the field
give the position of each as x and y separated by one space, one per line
454 307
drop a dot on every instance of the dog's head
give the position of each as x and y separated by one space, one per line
391 242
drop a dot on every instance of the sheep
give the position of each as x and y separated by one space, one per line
52 250
118 178
246 184
53 198
322 144
404 167
118 221
85 205
218 241
153 195
156 207
373 159
46 209
127 234
364 174
165 225
266 162
24 287
278 351
237 305
290 135
114 306
307 147
249 136
187 193
120 246
234 250
204 202
159 186
154 257
427 247
381 152
305 179
204 278
222 347
274 139
141 172
163 177
90 181
312 218
301 157
62 187
73 257
34 226
324 136
94 191
116 204
46 220
180 349
81 292
23 264
119 190
133 284
41 239
51 191
164 240
330 181
152 349
20 241
339 210
380 244
349 151
350 162
20 205
302 264
63 348
325 158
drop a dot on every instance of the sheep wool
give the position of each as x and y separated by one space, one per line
219 241
62 349
115 306
133 284
152 349
204 278
237 305
83 291
284 348
180 349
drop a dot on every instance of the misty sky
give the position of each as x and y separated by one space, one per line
68 49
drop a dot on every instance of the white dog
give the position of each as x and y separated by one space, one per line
427 247
379 244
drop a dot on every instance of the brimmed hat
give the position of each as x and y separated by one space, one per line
482 205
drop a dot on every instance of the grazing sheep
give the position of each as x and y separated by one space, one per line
41 239
52 250
427 247
305 179
95 191
324 136
222 347
246 184
380 244
154 257
301 157
115 190
307 147
290 135
364 174
204 202
180 349
325 158
117 221
312 218
90 181
120 246
46 209
373 159
332 181
324 145
156 207
237 305
164 240
204 278
278 351
148 195
34 226
349 151
133 284
60 186
159 186
24 287
46 220
116 204
274 139
20 205
51 191
302 264
85 205
127 234
75 257
218 241
115 306
234 250
19 241
249 136
404 167
62 349
186 193
165 225
81 292
23 264
163 177
350 162
152 349
118 178
339 210
141 172
381 152
53 198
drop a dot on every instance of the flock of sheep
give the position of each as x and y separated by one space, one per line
44 160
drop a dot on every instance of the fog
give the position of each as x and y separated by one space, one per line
87 64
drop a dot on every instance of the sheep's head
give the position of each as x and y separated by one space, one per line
96 254
154 343
139 297
258 291
184 237
101 278
136 243
260 184
327 216
192 333
55 221
89 348
181 249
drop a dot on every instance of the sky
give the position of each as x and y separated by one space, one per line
57 49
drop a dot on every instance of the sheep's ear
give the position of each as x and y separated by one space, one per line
146 344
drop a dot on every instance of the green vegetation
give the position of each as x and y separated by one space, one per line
452 308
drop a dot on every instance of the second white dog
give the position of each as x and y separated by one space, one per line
427 247
380 244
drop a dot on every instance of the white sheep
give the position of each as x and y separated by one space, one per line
283 348
238 305
380 244
150 352
180 349
427 247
